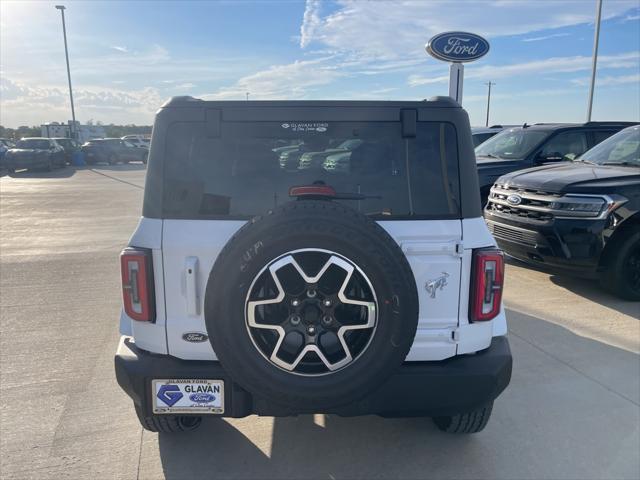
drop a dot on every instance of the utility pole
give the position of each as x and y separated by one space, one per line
66 53
489 83
594 61
247 96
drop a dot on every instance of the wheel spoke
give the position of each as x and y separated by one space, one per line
314 301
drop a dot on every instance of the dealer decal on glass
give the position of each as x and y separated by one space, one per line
188 396
305 127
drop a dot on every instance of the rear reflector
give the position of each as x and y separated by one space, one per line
487 281
137 284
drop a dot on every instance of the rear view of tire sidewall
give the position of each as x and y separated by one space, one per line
317 225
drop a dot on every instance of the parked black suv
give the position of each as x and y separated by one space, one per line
539 144
580 217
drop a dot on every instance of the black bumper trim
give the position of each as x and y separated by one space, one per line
451 386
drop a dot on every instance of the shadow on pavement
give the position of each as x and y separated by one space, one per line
64 172
119 167
585 287
569 413
591 290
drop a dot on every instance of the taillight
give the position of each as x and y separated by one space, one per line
137 284
487 282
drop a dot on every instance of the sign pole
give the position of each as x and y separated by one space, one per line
594 62
488 101
456 79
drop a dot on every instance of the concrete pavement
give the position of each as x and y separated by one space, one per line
572 410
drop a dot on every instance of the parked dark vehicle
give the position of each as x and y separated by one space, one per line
482 134
112 151
317 159
7 143
35 152
69 145
540 144
580 217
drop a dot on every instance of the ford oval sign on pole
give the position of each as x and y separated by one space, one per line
457 47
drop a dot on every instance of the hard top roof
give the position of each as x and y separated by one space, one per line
433 102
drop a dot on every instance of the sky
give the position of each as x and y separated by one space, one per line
127 58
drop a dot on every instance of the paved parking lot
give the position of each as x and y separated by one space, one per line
572 410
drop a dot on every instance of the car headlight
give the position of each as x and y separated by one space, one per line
586 206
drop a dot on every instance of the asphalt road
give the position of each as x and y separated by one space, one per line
571 411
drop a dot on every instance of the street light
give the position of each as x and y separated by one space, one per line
66 53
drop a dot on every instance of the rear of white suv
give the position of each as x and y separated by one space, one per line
251 288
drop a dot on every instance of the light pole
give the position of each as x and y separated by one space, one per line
486 124
66 53
247 96
594 61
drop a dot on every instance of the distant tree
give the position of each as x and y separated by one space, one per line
110 130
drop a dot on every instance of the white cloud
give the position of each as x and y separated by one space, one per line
24 104
399 29
185 86
545 37
310 21
631 18
120 49
608 80
549 65
291 81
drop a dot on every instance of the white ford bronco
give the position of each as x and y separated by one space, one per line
312 257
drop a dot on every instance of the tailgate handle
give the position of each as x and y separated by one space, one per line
191 285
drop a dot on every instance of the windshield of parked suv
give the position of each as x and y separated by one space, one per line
623 148
245 171
66 143
511 144
33 143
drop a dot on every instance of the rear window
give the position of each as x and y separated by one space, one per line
250 167
34 143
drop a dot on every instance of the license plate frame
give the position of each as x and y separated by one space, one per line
187 396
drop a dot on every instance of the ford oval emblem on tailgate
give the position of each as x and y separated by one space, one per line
195 337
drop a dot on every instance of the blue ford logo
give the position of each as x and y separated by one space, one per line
457 47
514 199
202 397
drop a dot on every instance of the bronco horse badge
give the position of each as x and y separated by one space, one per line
432 286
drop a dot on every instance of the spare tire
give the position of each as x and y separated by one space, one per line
312 305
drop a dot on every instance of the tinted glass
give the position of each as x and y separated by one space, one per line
479 138
251 167
34 143
622 148
568 144
511 144
601 135
65 143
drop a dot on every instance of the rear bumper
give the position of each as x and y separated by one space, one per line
451 386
